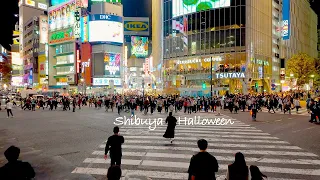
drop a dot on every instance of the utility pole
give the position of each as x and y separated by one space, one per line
143 89
211 78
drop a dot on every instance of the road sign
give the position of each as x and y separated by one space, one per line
273 88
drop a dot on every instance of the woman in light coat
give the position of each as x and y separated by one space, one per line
296 103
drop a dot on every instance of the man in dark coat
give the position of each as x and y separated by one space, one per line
172 122
203 165
15 169
115 141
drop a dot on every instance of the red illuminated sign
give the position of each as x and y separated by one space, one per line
78 61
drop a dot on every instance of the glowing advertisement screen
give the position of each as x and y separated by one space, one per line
181 7
112 64
139 46
106 29
62 17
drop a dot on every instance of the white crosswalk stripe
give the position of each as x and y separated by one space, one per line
301 112
147 153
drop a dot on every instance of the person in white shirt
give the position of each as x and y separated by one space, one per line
9 105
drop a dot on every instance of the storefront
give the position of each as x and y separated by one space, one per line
192 75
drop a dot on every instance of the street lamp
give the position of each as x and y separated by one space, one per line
5 86
291 75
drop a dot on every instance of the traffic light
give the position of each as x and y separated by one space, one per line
256 85
204 86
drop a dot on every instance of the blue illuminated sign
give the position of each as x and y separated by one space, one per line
286 19
105 17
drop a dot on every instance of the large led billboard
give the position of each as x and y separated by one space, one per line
106 29
62 16
139 46
15 56
112 64
181 7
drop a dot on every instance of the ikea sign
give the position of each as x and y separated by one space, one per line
136 26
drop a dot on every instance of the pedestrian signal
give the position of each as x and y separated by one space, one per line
204 86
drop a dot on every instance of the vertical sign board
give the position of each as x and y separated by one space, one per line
77 15
286 19
147 66
85 29
44 29
42 68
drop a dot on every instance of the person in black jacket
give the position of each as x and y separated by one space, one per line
15 169
115 141
203 165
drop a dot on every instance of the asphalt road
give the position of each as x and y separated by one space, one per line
67 145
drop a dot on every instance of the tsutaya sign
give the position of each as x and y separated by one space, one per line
195 60
230 75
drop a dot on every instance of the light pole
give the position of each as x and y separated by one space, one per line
211 78
291 80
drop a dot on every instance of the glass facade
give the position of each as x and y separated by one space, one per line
222 33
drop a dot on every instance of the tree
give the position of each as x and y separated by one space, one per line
302 66
5 70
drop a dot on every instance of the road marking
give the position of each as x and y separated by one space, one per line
206 135
219 158
103 161
185 165
222 151
214 128
213 132
278 120
217 145
151 174
211 139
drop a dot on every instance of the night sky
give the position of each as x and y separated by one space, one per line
131 8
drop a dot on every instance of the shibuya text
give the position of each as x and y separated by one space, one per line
154 122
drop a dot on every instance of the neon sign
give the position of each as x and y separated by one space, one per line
230 75
60 36
286 19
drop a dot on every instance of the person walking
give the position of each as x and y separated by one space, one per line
256 173
254 110
239 169
15 169
114 145
203 165
9 106
33 104
172 122
74 104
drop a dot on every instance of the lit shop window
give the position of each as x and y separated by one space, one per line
65 70
65 59
64 48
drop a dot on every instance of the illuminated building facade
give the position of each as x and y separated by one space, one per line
30 46
105 34
236 35
64 49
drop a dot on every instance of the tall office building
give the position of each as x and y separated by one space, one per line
302 36
242 39
29 16
235 35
